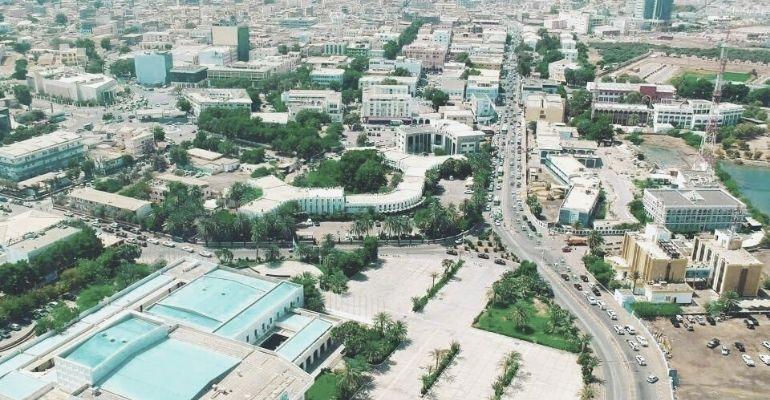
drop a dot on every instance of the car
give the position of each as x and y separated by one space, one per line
592 300
652 379
596 291
674 322
188 249
740 347
765 359
713 343
15 327
169 243
499 261
483 255
121 234
711 320
632 345
566 249
583 278
701 320
578 286
618 329
630 329
205 253
153 240
641 360
612 315
642 341
689 326
749 323
725 351
5 334
766 344
565 277
748 360
602 305
679 318
452 252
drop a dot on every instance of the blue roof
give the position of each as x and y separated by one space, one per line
110 341
19 386
281 293
292 348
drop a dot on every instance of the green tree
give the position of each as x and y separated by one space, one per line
224 255
183 105
313 299
106 44
519 314
158 133
178 155
21 92
20 69
60 19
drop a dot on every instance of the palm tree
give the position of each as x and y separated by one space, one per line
351 377
390 225
519 315
595 241
437 354
381 321
447 264
433 276
588 392
583 341
397 332
224 255
258 233
205 227
635 276
730 299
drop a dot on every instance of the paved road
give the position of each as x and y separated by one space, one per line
624 378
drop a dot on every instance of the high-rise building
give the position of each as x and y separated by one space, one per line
236 36
659 10
153 68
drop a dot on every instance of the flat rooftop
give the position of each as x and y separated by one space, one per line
706 197
25 147
109 199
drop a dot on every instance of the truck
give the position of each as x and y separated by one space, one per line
577 241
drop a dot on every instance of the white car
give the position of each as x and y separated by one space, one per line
618 329
652 379
766 344
205 253
642 341
641 360
632 345
169 243
748 360
153 240
612 314
592 300
725 351
188 249
602 304
630 329
765 358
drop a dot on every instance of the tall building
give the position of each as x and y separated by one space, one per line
731 268
236 36
38 155
659 10
652 257
696 210
153 68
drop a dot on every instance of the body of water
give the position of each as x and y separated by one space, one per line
754 182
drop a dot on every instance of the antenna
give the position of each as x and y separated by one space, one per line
709 142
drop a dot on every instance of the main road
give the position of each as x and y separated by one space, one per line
623 377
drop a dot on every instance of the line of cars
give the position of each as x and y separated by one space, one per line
747 359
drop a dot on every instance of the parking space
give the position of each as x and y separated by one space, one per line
708 374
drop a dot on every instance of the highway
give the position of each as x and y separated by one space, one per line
623 377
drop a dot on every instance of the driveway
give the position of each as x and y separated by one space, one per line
545 373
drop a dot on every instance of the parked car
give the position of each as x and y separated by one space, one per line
713 343
188 249
153 240
740 347
630 329
641 360
452 252
499 261
711 320
618 329
565 277
583 278
169 243
766 344
15 327
765 359
578 286
748 360
205 253
652 379
701 320
674 322
642 341
483 255
725 351
749 323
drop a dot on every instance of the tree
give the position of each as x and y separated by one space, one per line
183 105
313 299
381 321
20 69
123 67
178 155
351 376
437 97
158 134
60 19
106 44
258 233
21 92
519 314
88 167
595 242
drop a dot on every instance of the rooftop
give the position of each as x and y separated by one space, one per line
705 197
110 199
25 147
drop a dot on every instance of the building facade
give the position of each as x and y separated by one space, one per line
731 267
38 155
153 68
325 101
693 210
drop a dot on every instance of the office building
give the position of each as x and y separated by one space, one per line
652 256
255 70
38 155
731 267
695 114
325 101
558 138
614 92
153 68
327 76
25 235
71 85
233 36
202 99
410 81
693 210
188 75
440 136
191 330
546 107
386 102
579 206
656 10
100 203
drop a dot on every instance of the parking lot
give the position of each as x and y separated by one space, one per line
706 373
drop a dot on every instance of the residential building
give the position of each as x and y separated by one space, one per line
202 99
483 86
233 36
557 138
410 81
137 141
217 56
5 121
537 86
431 55
731 267
547 107
159 186
211 162
38 155
445 136
386 102
72 85
693 210
652 257
326 101
382 66
153 68
335 48
327 76
557 70
100 203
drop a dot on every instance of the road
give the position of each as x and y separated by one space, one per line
624 378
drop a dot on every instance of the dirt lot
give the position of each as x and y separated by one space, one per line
707 374
668 152
661 69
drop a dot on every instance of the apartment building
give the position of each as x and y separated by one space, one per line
326 101
96 202
202 99
382 66
652 256
693 210
386 102
547 107
731 267
410 81
35 156
430 54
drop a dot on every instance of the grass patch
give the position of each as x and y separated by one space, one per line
650 311
324 388
496 319
711 76
450 269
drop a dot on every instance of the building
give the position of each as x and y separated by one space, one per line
538 86
219 55
623 113
327 76
693 210
482 86
96 202
410 81
431 55
137 142
546 107
153 68
652 257
325 101
695 114
202 99
557 138
255 70
159 186
211 162
440 136
190 330
71 85
731 267
386 102
656 10
234 36
5 121
579 206
557 70
188 75
383 66
38 155
25 235
613 92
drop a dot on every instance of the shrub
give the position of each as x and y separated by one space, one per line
650 311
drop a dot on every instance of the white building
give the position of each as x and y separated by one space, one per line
695 114
326 101
445 136
382 66
327 76
25 235
693 210
386 102
369 80
95 201
201 99
72 85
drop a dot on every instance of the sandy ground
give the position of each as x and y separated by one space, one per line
669 151
705 374
661 69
